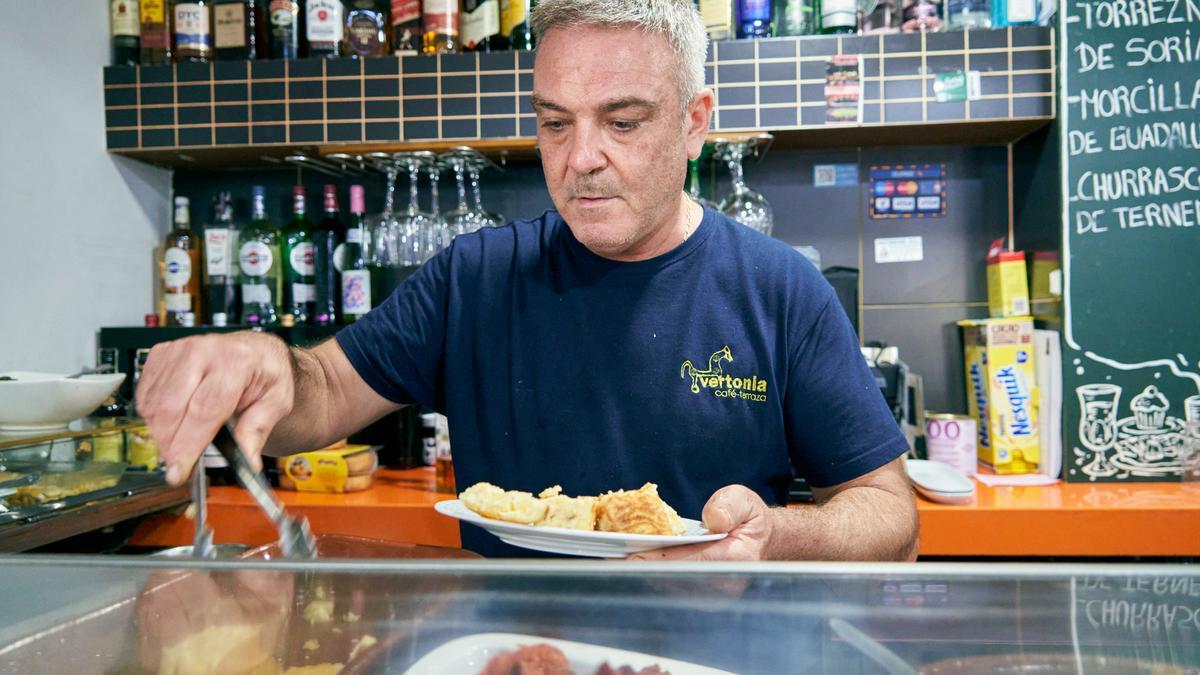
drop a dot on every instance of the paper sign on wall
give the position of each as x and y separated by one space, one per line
899 249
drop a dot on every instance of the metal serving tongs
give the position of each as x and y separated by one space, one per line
295 537
202 540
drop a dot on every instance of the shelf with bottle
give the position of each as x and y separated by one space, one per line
153 32
991 86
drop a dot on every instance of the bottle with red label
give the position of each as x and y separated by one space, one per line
260 266
180 267
480 21
154 45
284 19
406 27
324 28
299 274
440 23
328 239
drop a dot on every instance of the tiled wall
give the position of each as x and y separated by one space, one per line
760 84
911 305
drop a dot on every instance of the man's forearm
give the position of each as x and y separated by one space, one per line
860 523
308 426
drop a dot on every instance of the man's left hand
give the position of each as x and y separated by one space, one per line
735 509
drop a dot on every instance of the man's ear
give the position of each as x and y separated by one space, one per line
697 121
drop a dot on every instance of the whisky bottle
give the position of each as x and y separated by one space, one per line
155 47
480 21
126 32
406 27
514 24
794 17
366 28
239 31
324 28
298 272
285 29
259 265
180 270
192 30
440 19
839 16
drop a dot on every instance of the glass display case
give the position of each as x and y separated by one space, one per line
112 615
91 474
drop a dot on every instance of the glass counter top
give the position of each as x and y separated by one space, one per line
454 616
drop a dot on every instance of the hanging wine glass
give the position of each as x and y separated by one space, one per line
435 235
463 218
743 204
413 224
383 252
475 165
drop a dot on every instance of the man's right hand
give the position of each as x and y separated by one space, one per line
190 387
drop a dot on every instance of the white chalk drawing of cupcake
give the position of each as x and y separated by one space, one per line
1149 408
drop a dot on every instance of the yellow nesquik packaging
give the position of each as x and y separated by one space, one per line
1002 392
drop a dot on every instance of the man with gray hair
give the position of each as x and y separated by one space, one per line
628 336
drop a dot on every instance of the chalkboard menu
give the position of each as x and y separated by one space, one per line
1130 133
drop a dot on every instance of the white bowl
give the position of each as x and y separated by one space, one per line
41 401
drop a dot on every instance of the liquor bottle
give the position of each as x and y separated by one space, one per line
481 26
754 19
406 27
1014 12
880 16
794 17
259 263
718 18
298 274
514 24
285 29
327 238
693 184
356 278
239 30
180 269
220 273
838 16
192 34
126 32
323 28
968 14
366 28
921 15
440 21
156 32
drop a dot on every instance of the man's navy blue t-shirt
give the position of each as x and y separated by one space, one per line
727 360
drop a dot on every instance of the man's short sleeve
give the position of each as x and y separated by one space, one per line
838 425
398 348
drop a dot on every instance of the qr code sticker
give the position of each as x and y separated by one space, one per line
824 175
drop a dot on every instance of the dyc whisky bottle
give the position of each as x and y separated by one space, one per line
192 31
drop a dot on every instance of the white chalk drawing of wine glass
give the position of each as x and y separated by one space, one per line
1098 424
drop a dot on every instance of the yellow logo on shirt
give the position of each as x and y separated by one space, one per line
723 384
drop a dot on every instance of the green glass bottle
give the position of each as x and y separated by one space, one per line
299 273
514 23
838 16
794 17
356 277
259 265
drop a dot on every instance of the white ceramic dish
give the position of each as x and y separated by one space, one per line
45 401
576 542
940 482
468 655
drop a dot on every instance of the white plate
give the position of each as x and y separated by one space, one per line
468 655
43 401
577 542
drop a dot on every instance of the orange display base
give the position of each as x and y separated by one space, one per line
1110 520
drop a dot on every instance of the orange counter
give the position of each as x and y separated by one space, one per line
1149 519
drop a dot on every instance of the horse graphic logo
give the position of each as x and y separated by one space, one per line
714 367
